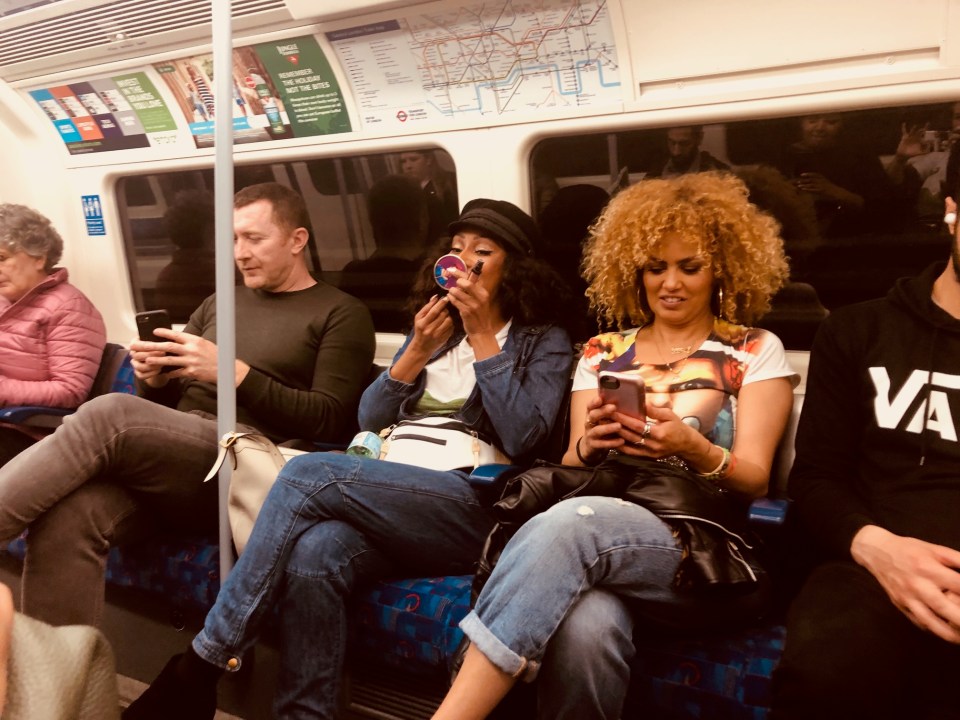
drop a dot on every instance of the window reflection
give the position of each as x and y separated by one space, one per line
372 216
859 194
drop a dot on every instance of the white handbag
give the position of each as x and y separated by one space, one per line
438 443
256 464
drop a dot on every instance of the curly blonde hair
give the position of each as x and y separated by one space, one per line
743 244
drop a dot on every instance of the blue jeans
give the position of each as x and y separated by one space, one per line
329 523
565 595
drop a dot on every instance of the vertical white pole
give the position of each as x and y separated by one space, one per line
223 203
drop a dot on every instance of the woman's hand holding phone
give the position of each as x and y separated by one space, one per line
644 429
662 434
601 431
623 398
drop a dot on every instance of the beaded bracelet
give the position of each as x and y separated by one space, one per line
582 458
722 470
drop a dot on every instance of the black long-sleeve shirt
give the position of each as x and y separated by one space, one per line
877 441
309 352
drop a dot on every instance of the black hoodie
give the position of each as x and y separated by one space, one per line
864 454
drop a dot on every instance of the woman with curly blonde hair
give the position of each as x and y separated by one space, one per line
685 261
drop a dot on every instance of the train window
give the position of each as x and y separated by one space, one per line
373 218
859 194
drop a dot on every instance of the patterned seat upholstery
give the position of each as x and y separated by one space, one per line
712 676
412 625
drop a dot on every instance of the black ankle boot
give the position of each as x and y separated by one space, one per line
186 689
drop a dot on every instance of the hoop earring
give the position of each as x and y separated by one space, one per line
720 301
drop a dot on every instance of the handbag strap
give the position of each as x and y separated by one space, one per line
226 445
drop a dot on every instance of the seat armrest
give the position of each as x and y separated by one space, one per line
484 476
768 511
36 416
488 481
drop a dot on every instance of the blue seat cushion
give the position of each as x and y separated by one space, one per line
722 675
412 623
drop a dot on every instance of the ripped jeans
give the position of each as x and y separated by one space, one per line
563 599
330 524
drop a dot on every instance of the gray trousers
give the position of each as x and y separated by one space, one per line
117 470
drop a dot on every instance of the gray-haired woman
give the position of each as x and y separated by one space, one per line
51 335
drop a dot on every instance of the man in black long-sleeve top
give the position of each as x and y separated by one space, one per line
875 631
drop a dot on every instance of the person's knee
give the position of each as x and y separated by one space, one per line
315 472
109 404
845 642
585 523
317 476
561 523
326 551
88 517
108 413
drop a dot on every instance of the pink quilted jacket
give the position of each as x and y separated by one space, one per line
51 343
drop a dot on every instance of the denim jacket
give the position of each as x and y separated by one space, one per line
518 392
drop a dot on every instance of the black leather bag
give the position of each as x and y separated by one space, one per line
710 524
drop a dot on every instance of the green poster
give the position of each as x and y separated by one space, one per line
146 102
306 85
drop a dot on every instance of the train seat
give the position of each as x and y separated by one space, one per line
409 627
115 374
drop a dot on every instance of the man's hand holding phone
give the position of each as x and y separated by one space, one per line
148 346
163 353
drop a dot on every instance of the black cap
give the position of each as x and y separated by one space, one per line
501 221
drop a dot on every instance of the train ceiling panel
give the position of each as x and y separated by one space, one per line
335 9
70 35
688 48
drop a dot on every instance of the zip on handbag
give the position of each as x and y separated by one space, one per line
439 444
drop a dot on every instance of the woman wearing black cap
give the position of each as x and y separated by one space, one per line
489 353
687 262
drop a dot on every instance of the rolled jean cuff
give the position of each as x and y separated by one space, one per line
517 667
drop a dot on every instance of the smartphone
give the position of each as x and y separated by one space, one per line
625 390
149 321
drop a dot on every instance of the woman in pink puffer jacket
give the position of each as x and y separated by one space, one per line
51 335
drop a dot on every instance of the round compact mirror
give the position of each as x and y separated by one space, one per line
443 270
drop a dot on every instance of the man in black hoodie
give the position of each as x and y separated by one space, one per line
875 631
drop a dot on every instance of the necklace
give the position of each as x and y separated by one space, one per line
675 371
685 350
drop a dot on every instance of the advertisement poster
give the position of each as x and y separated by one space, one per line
280 90
114 113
